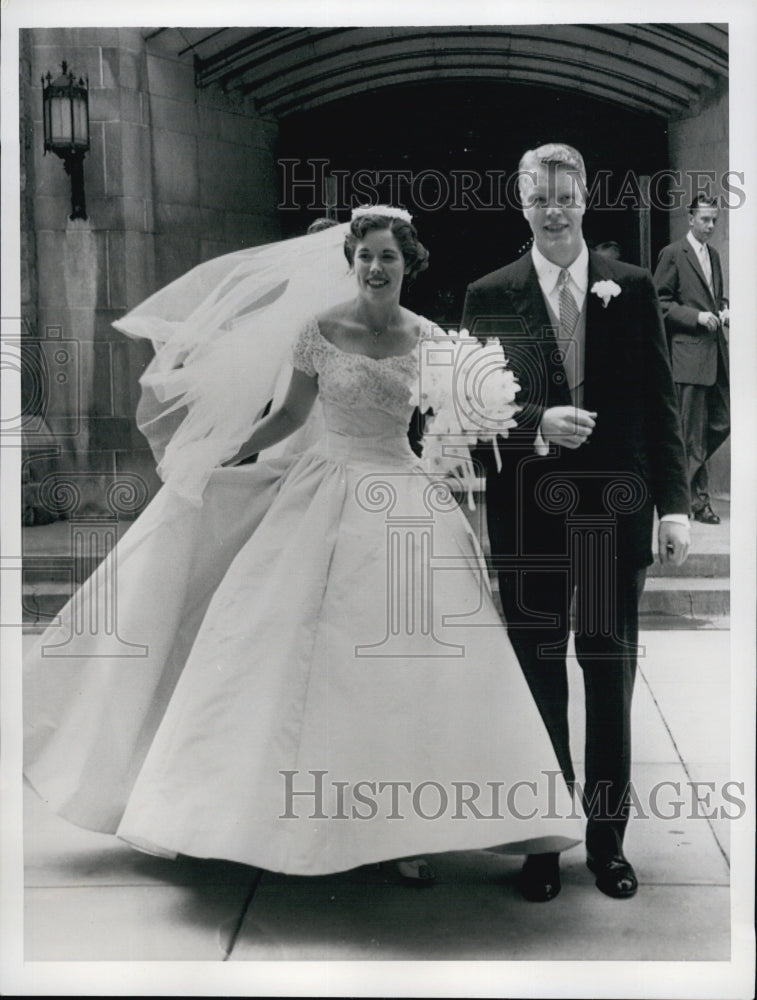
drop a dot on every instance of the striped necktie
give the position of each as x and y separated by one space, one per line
572 360
568 306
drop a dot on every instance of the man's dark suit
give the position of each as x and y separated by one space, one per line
699 356
582 517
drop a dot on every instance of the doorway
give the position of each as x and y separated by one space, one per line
448 152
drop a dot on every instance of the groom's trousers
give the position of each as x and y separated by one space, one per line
537 606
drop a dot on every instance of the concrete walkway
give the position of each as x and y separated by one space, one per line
90 898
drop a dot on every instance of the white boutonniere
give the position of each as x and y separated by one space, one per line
606 290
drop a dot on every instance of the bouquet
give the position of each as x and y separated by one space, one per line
468 392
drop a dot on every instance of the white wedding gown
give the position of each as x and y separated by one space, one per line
325 613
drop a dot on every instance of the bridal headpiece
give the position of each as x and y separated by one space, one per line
387 210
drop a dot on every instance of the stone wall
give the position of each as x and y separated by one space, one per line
174 176
699 141
214 176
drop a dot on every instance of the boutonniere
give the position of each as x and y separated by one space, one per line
606 290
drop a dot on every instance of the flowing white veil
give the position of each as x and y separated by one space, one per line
222 335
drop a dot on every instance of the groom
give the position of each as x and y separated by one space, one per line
597 449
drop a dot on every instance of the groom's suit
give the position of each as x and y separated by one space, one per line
582 518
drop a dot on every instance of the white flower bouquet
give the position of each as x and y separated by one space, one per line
470 392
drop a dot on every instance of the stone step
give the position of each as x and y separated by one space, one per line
663 597
687 596
698 591
40 569
40 603
707 565
704 565
692 597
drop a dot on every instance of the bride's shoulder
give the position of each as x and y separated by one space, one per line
423 326
415 323
335 317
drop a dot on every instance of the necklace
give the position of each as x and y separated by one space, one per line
376 333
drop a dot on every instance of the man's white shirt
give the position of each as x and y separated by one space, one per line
549 274
705 262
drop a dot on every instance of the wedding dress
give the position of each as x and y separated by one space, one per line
305 671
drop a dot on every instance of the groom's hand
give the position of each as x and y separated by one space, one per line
673 542
567 425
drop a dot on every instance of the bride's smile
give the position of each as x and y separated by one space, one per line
379 264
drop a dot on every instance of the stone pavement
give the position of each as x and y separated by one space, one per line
90 898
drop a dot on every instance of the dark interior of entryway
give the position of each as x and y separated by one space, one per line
477 127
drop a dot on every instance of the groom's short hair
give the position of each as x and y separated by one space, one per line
559 153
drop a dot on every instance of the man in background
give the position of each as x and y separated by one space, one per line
689 282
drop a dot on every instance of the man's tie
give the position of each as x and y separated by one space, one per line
568 306
568 320
704 259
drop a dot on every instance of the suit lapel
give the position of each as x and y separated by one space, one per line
717 278
528 299
599 335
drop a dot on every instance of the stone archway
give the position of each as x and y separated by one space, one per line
659 68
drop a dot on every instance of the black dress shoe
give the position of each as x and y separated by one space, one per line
615 876
706 515
539 879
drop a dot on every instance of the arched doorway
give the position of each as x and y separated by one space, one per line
449 152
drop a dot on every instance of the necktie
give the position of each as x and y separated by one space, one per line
568 306
704 257
568 321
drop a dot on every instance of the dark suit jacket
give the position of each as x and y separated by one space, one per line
684 293
634 460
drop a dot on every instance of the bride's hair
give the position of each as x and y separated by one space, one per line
413 251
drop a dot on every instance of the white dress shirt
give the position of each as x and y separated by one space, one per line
549 274
703 255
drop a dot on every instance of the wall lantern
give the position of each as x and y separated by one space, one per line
65 114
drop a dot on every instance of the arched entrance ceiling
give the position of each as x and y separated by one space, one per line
662 69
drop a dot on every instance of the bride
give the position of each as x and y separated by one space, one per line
309 673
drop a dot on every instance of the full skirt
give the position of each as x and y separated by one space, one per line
305 674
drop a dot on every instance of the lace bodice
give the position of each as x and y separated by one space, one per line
361 396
